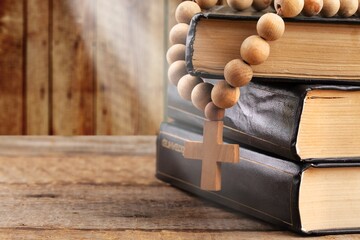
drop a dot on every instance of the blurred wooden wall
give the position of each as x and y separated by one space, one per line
82 67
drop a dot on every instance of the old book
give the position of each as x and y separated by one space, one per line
312 48
310 198
300 122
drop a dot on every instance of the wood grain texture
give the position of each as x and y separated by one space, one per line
82 67
130 67
73 35
95 196
11 66
57 145
10 234
94 170
92 192
85 160
113 207
37 67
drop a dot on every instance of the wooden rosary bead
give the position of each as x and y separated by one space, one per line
254 50
239 5
178 33
206 4
237 73
186 84
330 8
185 11
224 96
176 71
214 113
260 5
312 7
270 26
175 53
201 95
288 8
348 8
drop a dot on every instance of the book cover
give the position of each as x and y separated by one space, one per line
311 49
300 122
308 198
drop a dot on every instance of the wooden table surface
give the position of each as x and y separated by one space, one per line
104 188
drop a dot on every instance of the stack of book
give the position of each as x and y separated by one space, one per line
297 123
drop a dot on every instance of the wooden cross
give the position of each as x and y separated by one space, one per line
212 152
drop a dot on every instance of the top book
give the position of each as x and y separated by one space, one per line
312 48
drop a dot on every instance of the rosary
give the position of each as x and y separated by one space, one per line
254 50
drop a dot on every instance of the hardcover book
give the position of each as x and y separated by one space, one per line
303 122
305 197
312 48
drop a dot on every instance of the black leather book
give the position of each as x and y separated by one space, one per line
299 122
309 198
311 49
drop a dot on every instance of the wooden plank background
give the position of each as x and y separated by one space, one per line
37 67
11 66
83 67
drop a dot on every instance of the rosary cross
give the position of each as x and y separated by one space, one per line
212 152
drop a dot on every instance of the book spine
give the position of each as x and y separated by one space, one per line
260 185
262 119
